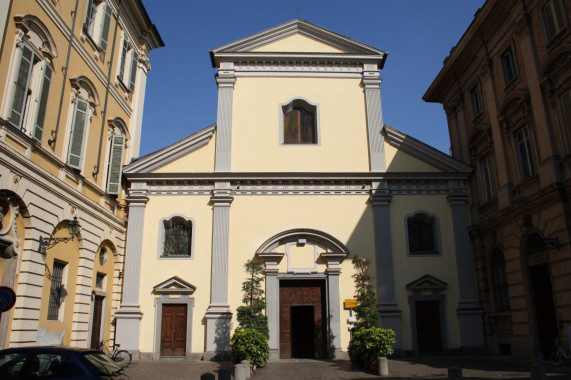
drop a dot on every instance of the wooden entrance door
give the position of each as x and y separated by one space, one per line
302 319
96 325
173 330
428 326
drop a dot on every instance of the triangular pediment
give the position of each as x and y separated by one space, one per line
174 285
298 36
422 152
161 158
427 282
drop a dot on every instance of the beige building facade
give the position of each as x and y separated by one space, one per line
72 85
506 90
301 173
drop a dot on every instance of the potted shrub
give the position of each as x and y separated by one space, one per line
370 344
250 344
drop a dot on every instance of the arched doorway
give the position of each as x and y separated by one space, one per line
302 293
540 289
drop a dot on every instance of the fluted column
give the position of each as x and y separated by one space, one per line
387 304
371 83
225 80
272 259
218 315
129 314
469 310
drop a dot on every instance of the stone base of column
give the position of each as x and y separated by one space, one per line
391 319
471 327
128 327
274 354
218 318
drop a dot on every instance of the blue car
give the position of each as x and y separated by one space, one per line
23 363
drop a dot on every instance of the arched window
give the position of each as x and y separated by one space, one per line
499 281
176 237
118 137
422 234
30 76
299 122
84 99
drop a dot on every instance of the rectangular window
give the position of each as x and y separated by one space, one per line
508 66
127 70
97 22
56 291
553 21
476 97
487 179
99 279
524 152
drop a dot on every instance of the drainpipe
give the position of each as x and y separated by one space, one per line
54 132
96 170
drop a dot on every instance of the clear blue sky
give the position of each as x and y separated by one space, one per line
181 95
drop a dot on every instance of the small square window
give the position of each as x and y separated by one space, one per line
508 66
99 280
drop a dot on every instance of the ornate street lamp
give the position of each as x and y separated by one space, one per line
47 242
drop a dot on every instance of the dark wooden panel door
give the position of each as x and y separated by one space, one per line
96 325
428 327
302 327
173 330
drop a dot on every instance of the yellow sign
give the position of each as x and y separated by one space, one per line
350 303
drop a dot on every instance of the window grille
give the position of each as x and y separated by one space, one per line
56 291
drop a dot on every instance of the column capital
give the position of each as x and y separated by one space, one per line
457 199
221 197
333 260
226 78
271 259
137 199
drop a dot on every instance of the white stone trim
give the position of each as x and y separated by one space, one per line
161 239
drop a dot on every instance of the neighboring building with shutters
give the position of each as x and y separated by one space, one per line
506 90
72 85
300 172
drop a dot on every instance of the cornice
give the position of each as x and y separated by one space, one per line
244 184
146 164
424 152
25 168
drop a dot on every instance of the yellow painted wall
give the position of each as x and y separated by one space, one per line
196 270
342 127
198 161
68 253
410 268
399 161
297 44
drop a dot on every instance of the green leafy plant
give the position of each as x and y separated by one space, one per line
371 342
251 315
366 309
250 344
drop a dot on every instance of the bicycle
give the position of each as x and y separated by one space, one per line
559 353
121 357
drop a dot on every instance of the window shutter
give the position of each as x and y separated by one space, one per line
43 101
88 12
105 27
115 165
77 133
134 61
21 86
122 60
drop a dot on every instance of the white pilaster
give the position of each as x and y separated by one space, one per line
372 83
225 79
129 314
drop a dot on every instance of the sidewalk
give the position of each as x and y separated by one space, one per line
433 367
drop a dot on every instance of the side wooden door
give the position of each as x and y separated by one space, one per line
173 330
96 325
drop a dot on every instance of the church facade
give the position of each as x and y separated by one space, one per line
300 172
